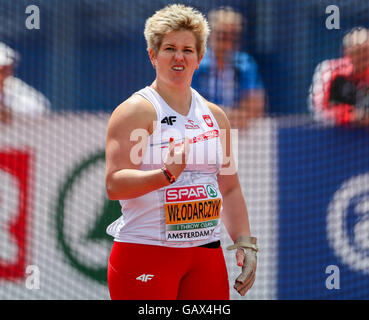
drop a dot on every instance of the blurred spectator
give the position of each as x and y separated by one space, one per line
227 76
339 93
17 97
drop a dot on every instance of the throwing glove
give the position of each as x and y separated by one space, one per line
247 277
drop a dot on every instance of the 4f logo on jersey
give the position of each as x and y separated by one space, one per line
169 120
208 120
145 277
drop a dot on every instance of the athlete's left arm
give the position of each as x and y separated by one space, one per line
235 215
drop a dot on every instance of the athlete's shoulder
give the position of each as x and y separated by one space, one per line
135 105
136 111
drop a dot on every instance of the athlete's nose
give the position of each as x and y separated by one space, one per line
178 56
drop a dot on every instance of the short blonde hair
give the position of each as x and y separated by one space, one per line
176 17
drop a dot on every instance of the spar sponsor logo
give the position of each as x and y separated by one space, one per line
83 213
212 192
186 193
192 212
190 193
15 211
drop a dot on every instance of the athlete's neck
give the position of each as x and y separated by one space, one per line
177 98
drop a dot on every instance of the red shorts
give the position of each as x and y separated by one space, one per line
147 272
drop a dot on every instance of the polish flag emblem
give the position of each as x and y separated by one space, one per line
208 120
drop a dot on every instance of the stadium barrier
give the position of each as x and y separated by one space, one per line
306 187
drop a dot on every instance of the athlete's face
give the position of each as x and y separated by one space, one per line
177 58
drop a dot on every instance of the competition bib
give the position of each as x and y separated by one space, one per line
191 212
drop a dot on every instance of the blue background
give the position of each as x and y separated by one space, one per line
313 163
90 55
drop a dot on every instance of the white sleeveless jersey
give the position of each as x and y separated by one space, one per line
187 212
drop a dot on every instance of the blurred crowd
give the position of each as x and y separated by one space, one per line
230 77
16 96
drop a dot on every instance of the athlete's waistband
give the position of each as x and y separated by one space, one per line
211 245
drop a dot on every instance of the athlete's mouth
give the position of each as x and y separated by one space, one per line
178 68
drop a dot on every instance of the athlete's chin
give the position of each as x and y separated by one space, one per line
180 82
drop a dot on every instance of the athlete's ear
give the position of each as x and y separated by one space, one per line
198 64
152 57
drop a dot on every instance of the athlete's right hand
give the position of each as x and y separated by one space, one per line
174 161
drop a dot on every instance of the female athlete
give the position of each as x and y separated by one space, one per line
169 163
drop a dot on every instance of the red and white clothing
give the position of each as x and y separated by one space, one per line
336 94
23 99
146 272
159 252
187 212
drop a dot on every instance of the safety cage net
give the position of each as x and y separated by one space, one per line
292 77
